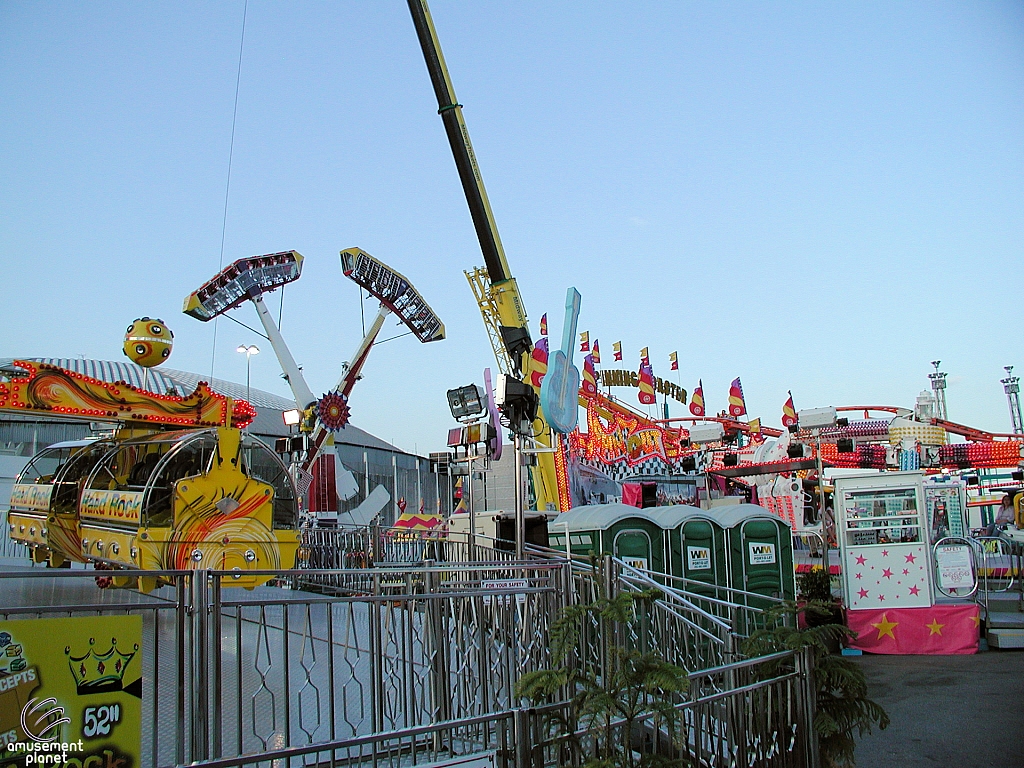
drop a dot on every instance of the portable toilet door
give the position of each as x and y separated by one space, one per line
762 554
634 546
705 559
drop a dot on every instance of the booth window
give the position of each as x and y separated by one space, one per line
887 516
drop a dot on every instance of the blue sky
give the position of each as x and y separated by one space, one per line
814 197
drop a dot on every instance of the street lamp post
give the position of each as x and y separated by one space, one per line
248 351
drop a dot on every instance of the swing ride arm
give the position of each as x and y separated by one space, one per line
497 292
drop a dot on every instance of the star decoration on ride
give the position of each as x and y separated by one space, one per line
333 412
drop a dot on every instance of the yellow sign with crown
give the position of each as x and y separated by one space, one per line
71 692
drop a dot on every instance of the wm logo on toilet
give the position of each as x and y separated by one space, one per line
761 554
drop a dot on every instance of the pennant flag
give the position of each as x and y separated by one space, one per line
544 324
697 400
754 426
736 405
646 383
789 413
460 506
644 357
585 341
589 381
596 353
674 360
539 362
617 351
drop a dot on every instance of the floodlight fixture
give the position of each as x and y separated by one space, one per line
241 281
394 291
707 432
817 418
466 402
292 417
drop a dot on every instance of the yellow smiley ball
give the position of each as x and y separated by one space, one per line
148 342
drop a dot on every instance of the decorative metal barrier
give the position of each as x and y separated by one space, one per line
753 714
399 665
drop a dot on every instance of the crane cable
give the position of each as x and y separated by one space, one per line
227 185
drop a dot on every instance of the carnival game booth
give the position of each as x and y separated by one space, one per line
904 595
631 534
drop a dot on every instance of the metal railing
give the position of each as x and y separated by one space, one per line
403 665
755 713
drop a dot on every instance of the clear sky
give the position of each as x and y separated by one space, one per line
816 197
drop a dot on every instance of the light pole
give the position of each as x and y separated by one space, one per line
248 351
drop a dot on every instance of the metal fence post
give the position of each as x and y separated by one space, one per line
377 657
216 661
521 737
200 669
804 661
181 616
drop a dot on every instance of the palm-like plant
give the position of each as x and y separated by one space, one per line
843 707
609 704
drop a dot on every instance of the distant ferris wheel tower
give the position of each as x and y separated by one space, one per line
938 380
1011 387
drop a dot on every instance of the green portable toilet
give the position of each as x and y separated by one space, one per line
760 552
695 548
629 533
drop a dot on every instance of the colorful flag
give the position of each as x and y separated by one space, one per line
589 381
754 426
789 413
736 405
402 504
646 382
673 358
644 357
697 400
538 362
596 353
617 351
460 501
585 341
544 324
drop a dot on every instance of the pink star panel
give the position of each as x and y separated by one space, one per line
910 592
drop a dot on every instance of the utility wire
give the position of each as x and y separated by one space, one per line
227 186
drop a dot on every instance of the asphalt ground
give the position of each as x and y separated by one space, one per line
956 711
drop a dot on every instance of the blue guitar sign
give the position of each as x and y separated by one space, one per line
559 392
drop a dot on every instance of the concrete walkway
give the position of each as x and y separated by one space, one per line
955 711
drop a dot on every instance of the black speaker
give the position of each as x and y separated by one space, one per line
648 494
794 428
795 450
688 464
281 445
730 460
1017 476
843 422
844 445
971 479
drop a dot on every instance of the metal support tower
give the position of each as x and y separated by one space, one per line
938 380
1011 387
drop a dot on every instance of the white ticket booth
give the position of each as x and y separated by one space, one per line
882 526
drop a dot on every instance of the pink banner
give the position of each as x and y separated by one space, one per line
938 630
632 494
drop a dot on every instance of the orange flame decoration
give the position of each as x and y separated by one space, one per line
56 390
614 434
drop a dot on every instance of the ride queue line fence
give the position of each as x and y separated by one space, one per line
400 665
